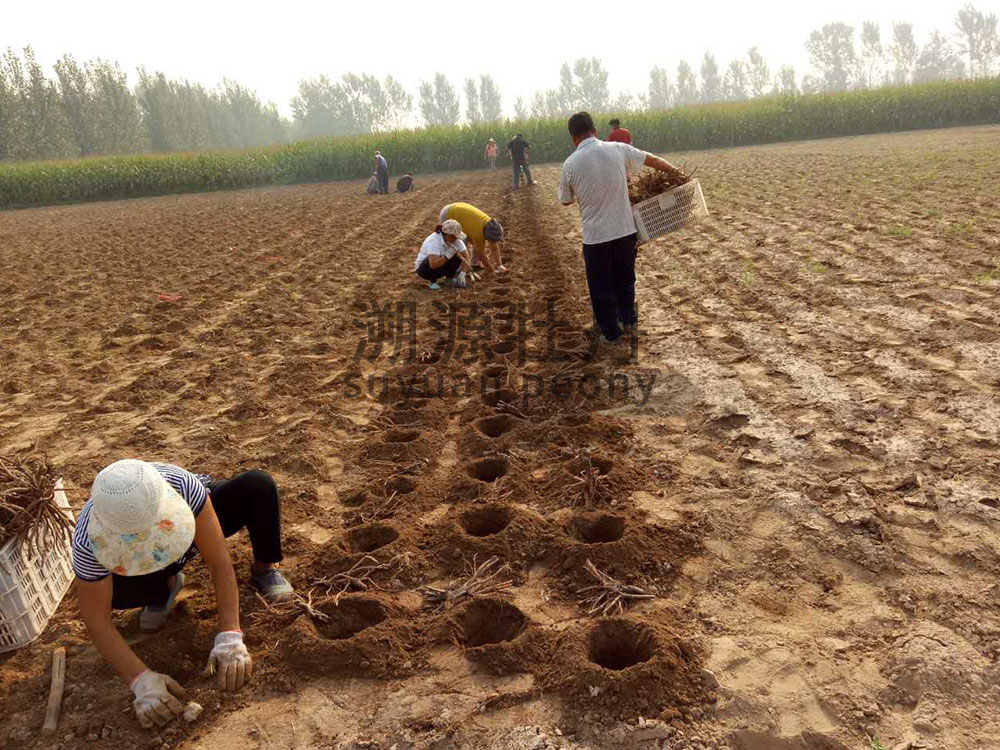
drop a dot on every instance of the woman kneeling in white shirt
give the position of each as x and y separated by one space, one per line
443 255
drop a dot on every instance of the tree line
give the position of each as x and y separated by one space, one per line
90 108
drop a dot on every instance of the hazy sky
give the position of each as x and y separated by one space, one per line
271 46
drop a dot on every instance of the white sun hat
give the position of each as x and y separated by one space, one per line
138 523
453 227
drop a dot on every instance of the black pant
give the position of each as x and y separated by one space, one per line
449 269
248 501
611 279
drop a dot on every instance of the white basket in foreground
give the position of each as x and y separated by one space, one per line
33 580
670 211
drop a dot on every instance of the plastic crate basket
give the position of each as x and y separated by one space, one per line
33 580
670 211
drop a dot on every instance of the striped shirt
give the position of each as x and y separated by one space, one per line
596 177
192 487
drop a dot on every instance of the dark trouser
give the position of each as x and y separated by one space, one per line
518 166
248 501
611 279
449 269
383 181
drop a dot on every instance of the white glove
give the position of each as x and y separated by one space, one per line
231 660
156 698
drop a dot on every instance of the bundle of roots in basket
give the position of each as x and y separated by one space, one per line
653 182
28 510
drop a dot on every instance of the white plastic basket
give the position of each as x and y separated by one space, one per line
670 211
33 580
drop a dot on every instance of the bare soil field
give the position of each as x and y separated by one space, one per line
798 459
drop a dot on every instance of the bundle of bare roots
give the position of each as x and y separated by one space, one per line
28 510
652 182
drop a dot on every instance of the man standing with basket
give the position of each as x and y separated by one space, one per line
596 177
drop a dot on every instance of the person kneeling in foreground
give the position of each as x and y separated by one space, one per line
443 255
142 523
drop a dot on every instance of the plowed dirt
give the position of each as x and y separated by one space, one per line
798 457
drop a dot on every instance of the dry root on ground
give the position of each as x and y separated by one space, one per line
609 595
361 575
487 578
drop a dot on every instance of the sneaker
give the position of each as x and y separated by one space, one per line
153 618
434 286
272 585
605 340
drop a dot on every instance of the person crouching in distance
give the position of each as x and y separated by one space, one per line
444 256
142 524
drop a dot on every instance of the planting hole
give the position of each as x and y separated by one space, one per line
598 529
495 371
350 617
619 644
504 395
401 436
494 427
505 328
579 466
371 538
485 621
487 469
399 486
430 358
505 347
354 499
405 417
485 520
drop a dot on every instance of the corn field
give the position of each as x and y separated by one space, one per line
766 120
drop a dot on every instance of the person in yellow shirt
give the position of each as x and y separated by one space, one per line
485 234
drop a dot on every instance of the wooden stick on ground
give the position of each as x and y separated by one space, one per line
55 691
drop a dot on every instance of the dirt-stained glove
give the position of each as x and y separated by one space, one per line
230 660
156 698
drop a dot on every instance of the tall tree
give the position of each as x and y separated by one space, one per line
758 74
785 83
38 124
660 94
77 99
903 52
541 105
711 81
592 85
831 50
687 85
872 55
978 39
472 111
118 120
626 101
563 101
353 105
938 61
520 110
439 104
399 104
490 100
735 83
